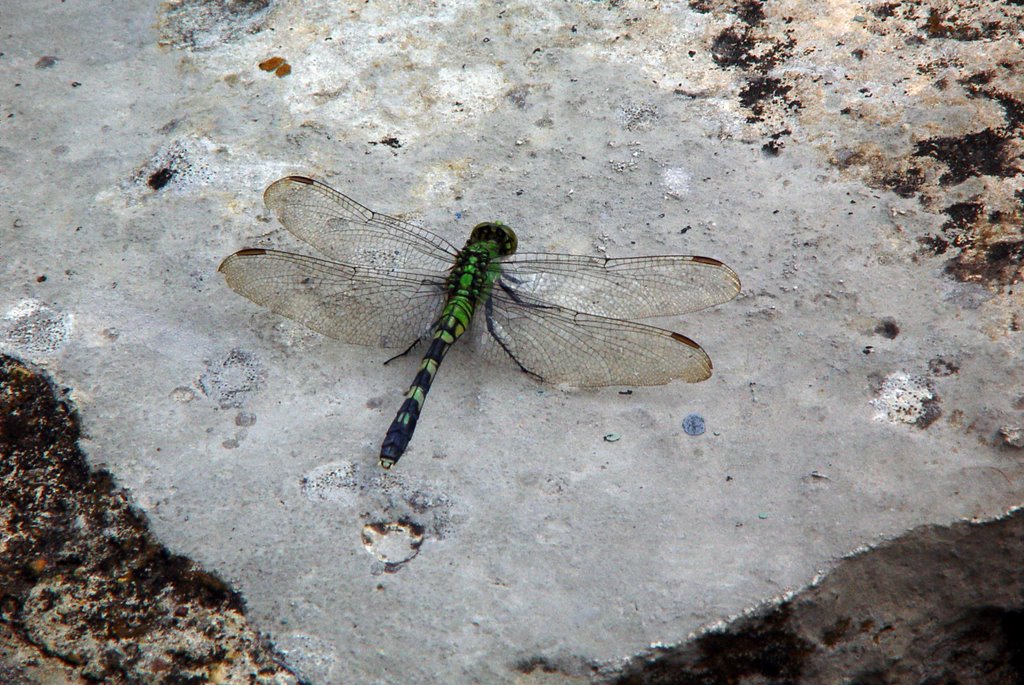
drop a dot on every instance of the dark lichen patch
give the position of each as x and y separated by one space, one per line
931 411
388 141
959 229
885 10
984 250
987 85
742 47
518 95
757 649
905 182
989 152
947 25
933 244
952 69
760 93
733 48
1001 262
773 148
87 592
750 12
571 667
535 664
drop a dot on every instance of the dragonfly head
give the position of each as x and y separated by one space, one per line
498 233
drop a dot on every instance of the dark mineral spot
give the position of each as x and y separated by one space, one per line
159 179
887 328
271 63
389 141
772 148
278 65
939 367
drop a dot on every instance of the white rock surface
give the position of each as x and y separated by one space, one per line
135 143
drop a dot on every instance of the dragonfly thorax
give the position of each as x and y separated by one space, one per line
498 233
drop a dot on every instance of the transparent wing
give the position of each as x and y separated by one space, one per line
562 346
360 305
344 230
631 288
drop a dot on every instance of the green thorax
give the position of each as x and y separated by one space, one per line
476 267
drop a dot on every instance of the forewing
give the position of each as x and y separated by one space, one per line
344 230
360 305
631 288
558 345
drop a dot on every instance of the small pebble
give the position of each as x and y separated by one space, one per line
693 424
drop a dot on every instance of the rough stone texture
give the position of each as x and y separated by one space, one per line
858 164
86 593
939 605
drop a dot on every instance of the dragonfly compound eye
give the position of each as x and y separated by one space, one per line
501 234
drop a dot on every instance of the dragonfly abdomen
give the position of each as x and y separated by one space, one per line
452 324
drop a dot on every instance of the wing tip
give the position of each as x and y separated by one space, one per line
282 183
708 367
712 262
679 337
246 252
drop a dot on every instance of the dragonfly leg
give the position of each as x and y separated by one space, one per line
407 351
489 319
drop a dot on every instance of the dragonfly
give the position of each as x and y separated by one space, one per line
561 318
